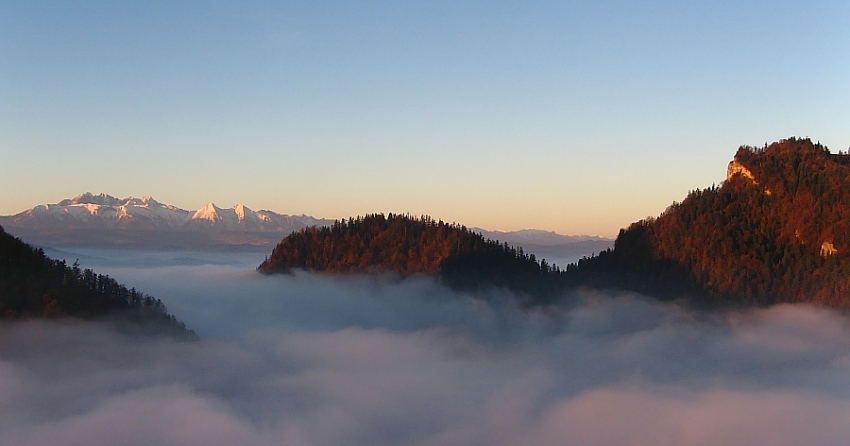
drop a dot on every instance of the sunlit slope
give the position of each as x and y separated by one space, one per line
404 245
777 230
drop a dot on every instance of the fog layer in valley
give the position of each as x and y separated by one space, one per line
310 360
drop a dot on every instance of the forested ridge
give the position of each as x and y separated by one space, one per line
777 230
405 245
33 285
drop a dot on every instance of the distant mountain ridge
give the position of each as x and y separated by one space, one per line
104 220
538 237
558 249
88 210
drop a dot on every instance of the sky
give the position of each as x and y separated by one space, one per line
572 116
315 360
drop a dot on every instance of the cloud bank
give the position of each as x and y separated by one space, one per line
307 360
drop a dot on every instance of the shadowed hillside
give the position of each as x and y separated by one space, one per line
33 285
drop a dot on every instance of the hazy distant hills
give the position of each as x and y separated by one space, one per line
556 248
105 221
777 230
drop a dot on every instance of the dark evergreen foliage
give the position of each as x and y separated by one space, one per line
404 245
33 285
759 240
778 231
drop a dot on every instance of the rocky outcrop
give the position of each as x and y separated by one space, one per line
736 168
827 249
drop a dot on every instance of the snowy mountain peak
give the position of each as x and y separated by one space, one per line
210 212
242 212
89 198
146 201
102 219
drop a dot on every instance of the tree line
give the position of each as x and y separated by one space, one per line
405 245
33 285
783 236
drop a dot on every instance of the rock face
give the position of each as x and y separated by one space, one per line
736 168
827 249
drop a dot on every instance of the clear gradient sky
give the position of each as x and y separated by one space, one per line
572 116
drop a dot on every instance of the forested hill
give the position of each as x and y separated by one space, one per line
404 245
33 285
777 230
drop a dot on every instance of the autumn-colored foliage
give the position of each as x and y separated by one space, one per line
404 245
780 234
777 230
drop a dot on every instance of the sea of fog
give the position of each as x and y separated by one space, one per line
310 360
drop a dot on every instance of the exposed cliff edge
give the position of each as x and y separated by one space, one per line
736 168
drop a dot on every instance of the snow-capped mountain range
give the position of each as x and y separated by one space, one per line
108 212
102 220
